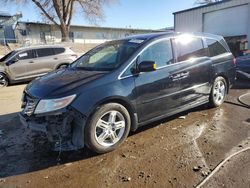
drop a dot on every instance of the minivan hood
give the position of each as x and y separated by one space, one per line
61 81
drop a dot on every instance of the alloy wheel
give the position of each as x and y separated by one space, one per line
3 80
219 92
110 128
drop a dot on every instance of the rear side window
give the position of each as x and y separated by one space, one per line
43 52
25 55
59 50
189 47
215 47
160 52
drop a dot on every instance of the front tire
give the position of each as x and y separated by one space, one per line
218 92
108 127
4 81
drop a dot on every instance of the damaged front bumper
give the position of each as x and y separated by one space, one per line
65 128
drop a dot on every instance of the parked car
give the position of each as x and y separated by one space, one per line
30 62
121 85
243 67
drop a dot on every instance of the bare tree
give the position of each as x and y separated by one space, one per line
204 2
60 12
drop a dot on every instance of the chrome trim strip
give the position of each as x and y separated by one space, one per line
168 38
175 93
152 43
23 78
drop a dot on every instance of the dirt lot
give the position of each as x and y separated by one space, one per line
172 153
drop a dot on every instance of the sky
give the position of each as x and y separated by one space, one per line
143 14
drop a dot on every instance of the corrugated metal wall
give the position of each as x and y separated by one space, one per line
192 21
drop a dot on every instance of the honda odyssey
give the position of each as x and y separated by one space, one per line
124 84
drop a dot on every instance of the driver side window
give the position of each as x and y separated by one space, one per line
160 53
25 55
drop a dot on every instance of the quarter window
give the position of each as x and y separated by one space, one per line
59 50
43 52
189 47
160 53
215 47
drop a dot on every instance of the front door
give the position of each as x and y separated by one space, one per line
156 91
21 68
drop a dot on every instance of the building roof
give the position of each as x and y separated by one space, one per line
203 6
91 27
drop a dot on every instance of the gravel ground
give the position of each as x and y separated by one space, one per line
173 152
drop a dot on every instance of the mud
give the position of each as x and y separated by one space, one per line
171 153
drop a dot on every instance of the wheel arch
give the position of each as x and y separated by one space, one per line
65 63
122 101
223 75
8 77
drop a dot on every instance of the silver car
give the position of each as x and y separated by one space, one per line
30 62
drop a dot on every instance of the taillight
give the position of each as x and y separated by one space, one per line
234 61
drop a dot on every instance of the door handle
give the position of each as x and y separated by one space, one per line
55 58
31 62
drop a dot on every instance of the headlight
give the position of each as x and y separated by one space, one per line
49 105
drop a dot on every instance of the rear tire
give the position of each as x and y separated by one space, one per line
218 92
4 81
108 127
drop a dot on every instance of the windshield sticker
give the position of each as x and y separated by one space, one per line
23 55
137 41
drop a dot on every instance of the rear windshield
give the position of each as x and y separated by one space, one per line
108 56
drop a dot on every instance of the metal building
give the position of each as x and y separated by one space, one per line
229 18
43 33
7 21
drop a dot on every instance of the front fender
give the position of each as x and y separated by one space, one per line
90 99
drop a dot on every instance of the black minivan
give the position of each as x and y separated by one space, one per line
121 85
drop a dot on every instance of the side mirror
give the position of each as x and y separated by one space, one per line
12 61
147 66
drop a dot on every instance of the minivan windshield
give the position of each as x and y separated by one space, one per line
9 55
108 56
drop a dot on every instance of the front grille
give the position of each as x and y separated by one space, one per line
29 104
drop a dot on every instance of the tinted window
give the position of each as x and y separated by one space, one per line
160 52
25 55
189 47
45 52
215 47
59 50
